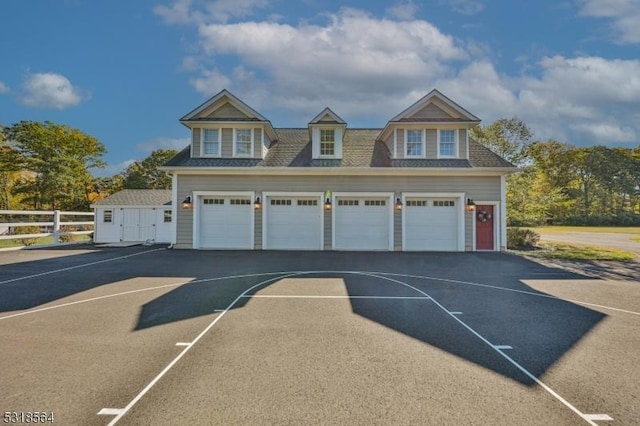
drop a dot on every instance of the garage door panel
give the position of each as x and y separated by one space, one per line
293 223
431 224
362 223
226 223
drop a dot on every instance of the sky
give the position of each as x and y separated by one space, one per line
125 71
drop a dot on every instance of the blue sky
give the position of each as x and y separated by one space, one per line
125 71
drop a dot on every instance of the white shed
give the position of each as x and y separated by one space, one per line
134 215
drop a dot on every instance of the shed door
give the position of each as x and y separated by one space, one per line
138 224
362 223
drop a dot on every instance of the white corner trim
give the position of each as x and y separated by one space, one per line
174 208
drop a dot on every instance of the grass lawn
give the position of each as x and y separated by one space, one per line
607 229
636 239
550 250
40 242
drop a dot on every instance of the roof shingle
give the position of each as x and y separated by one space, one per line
137 197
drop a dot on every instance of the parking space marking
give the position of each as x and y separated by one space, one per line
505 356
599 417
184 343
503 347
150 385
109 412
289 296
494 287
456 313
84 265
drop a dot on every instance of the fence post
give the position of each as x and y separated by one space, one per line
56 227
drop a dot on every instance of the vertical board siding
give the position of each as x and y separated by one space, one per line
195 148
486 188
227 143
432 143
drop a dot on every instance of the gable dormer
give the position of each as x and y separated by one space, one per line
434 127
226 127
327 134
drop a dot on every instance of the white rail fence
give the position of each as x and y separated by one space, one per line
54 226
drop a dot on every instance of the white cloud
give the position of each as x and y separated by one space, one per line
113 169
50 90
623 14
162 143
3 88
465 7
404 10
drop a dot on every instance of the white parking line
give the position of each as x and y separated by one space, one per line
137 398
505 356
84 265
289 296
109 412
184 343
502 347
599 417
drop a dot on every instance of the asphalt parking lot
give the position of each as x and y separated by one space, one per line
146 335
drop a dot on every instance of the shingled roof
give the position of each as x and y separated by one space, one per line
361 148
137 197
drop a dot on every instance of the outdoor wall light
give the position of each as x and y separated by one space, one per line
398 204
257 204
327 203
186 204
471 206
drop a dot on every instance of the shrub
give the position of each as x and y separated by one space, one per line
24 230
521 238
67 238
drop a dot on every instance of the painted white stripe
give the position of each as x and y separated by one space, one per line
137 398
110 411
84 265
124 293
505 356
530 293
289 296
183 344
599 417
455 313
219 310
502 347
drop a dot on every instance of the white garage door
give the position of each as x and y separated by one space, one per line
226 222
362 223
138 224
431 224
293 223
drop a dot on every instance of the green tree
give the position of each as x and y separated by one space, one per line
145 174
57 160
508 137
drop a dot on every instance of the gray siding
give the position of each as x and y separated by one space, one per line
257 143
468 230
431 111
400 144
227 111
432 143
462 143
227 143
477 187
195 147
328 225
397 229
257 236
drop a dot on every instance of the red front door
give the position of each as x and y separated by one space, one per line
484 227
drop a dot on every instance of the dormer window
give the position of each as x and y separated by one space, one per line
414 142
447 143
211 142
243 142
327 142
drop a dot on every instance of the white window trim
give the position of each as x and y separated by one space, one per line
235 140
202 153
456 143
335 145
460 199
423 148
